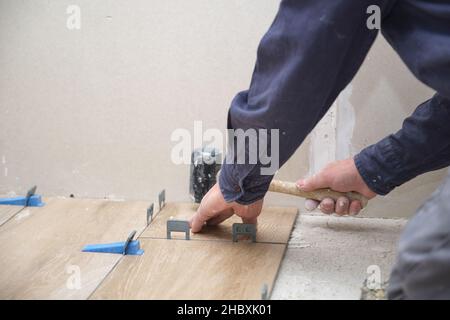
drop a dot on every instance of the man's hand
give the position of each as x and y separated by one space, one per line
340 176
214 209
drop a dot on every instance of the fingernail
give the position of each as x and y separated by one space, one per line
300 184
310 205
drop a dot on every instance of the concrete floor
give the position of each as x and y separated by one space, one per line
328 256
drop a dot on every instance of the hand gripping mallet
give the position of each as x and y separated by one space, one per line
319 194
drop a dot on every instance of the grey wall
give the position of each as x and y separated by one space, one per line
90 112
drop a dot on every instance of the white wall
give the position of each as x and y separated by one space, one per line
90 112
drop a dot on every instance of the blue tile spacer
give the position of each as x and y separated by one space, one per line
130 246
32 201
133 248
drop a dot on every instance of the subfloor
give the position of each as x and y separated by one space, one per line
329 257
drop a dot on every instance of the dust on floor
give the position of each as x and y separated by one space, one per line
329 257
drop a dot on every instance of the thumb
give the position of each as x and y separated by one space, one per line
314 182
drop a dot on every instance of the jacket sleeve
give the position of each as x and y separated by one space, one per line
421 145
309 54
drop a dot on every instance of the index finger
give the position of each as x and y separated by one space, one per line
199 219
212 205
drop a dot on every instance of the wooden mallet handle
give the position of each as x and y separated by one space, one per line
319 194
